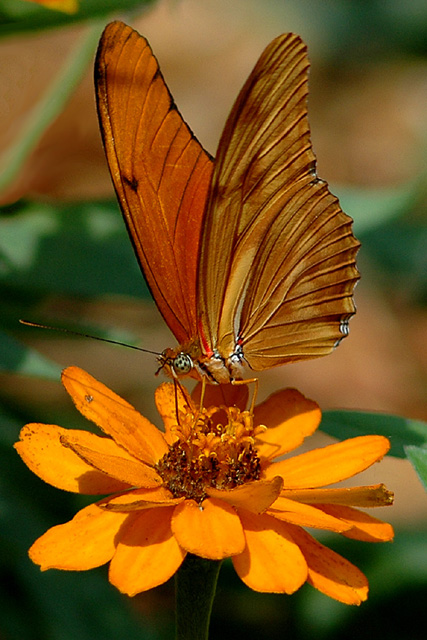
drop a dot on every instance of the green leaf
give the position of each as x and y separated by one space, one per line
400 431
371 208
75 249
418 458
15 357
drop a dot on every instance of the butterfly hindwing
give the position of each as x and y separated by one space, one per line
280 287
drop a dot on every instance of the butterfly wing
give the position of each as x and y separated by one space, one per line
160 172
277 254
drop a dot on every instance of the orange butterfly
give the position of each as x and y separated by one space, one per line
249 257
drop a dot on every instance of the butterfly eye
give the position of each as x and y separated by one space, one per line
182 363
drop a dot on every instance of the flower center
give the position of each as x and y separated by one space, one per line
210 452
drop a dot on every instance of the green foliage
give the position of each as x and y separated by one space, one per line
401 432
17 16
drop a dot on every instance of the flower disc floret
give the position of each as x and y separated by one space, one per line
211 453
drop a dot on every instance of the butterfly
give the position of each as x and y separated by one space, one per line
248 256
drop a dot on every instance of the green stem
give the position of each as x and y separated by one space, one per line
195 586
50 105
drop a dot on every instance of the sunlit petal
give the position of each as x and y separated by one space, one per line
211 530
170 397
116 417
305 515
330 464
331 573
106 456
376 495
364 526
141 499
290 418
41 449
255 496
87 541
147 554
271 561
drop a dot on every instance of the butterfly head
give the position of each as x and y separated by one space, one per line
177 363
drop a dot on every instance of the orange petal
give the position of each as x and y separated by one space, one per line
330 573
331 464
167 397
290 417
376 495
147 554
364 526
114 416
254 496
211 531
142 499
271 561
42 451
305 515
87 541
106 456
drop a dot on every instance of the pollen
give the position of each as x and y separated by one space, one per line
215 448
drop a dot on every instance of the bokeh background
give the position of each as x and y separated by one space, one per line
66 260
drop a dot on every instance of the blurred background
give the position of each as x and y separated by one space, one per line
66 260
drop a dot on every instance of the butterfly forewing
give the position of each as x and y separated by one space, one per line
280 287
160 172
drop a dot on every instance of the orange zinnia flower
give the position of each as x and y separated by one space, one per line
208 486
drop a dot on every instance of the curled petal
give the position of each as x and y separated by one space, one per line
116 417
305 515
376 495
87 541
106 456
147 554
329 572
363 526
42 450
271 561
330 464
254 496
290 417
141 499
211 530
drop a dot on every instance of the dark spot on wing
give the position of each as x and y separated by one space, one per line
132 182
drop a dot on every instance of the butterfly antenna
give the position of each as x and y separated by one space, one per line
27 323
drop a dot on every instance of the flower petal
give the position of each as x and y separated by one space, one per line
329 572
167 397
141 499
254 496
228 395
147 553
212 530
106 456
41 449
330 464
290 417
376 495
364 526
114 416
87 541
271 561
305 515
